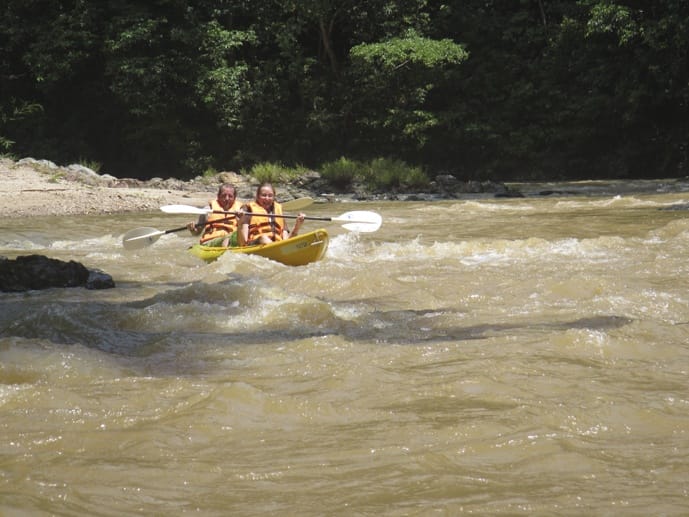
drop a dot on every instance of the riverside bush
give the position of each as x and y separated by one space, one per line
342 173
273 172
378 174
385 174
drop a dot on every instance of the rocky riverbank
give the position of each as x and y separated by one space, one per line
30 187
42 188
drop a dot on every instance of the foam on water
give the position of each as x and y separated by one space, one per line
478 207
472 356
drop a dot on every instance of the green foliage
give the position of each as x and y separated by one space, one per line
274 172
379 174
391 174
612 19
210 172
5 143
341 173
397 79
11 111
483 89
95 166
55 177
223 85
412 49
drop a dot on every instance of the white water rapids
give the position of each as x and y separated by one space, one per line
487 356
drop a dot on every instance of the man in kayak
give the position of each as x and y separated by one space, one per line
256 228
219 229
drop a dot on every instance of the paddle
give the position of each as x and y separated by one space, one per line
142 237
297 204
356 221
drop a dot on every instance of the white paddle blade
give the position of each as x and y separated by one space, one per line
140 238
297 204
360 221
184 209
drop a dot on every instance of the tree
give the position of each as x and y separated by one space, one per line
502 89
394 79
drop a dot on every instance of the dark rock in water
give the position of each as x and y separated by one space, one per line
99 280
31 272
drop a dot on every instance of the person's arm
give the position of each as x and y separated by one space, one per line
243 222
198 226
297 224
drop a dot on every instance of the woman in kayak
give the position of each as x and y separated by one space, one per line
255 228
218 229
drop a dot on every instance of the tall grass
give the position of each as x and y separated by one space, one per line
273 172
342 173
377 174
386 174
91 164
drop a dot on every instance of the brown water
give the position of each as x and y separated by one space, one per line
516 356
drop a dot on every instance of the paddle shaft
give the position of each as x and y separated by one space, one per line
284 216
165 232
174 230
356 221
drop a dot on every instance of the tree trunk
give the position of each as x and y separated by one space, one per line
327 47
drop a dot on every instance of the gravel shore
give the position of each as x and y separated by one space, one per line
30 187
40 188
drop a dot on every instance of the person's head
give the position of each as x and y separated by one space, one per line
227 193
265 195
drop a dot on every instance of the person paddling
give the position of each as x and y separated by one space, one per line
256 228
217 229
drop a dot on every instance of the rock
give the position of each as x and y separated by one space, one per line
38 163
99 280
230 177
32 272
83 171
307 179
446 180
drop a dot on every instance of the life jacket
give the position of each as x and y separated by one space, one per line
270 226
219 225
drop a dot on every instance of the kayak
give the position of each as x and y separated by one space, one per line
297 251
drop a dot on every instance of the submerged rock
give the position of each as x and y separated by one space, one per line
31 272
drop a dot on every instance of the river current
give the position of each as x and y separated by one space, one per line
480 356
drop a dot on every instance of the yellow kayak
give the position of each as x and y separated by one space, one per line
297 251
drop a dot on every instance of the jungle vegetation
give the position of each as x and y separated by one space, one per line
483 89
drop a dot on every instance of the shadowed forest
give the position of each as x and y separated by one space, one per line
491 89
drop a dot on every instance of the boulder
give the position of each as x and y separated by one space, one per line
31 272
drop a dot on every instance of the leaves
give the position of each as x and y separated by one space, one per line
411 50
482 88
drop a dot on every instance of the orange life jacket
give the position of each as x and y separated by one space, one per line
271 226
219 225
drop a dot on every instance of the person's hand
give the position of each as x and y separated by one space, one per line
298 222
245 217
193 228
